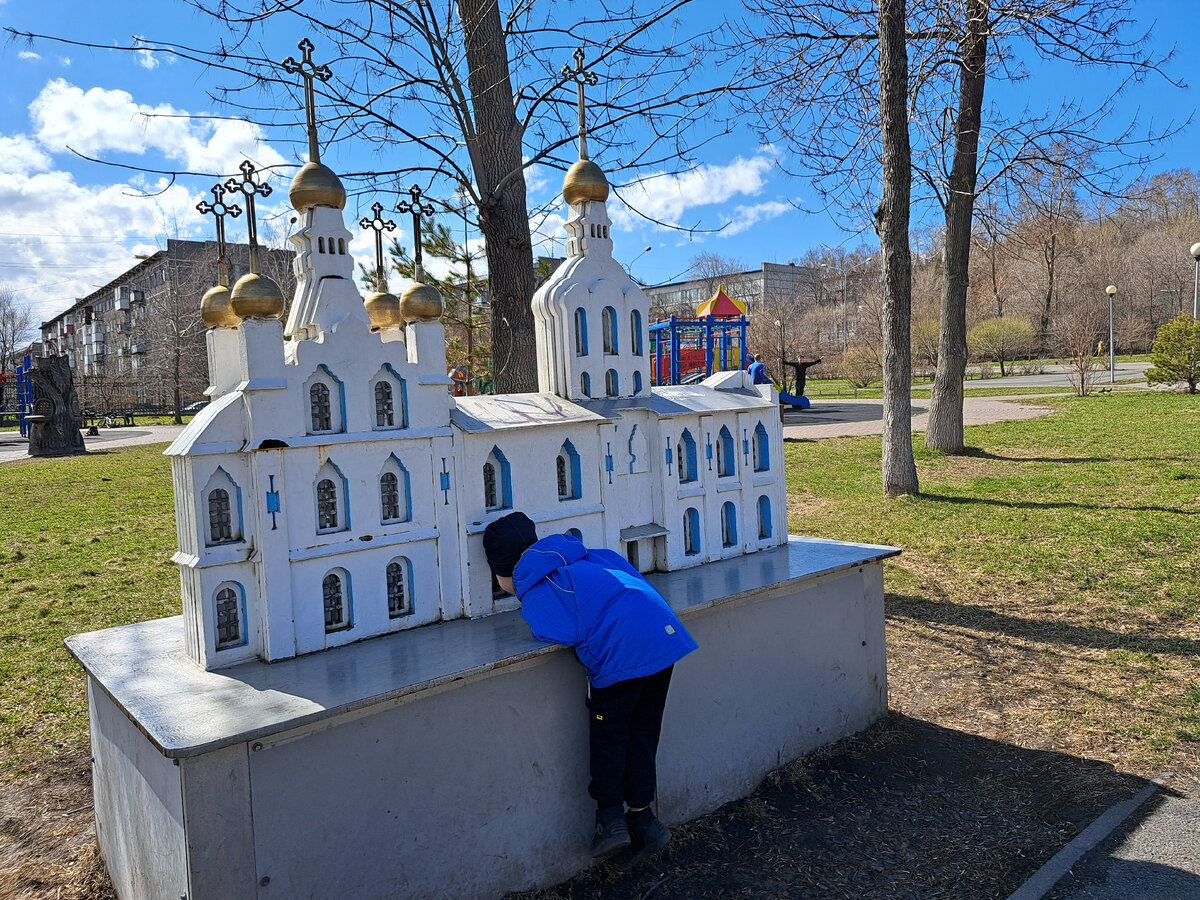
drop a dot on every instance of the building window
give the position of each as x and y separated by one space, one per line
220 521
575 533
320 245
318 399
581 335
585 384
333 593
389 497
399 595
497 482
327 506
610 383
764 517
635 332
691 531
608 324
568 472
385 414
637 382
728 524
685 451
762 449
726 456
229 617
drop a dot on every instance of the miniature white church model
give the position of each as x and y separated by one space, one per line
334 490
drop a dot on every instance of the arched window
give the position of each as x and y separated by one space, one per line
635 332
568 471
585 384
609 327
337 607
389 497
385 412
318 400
497 481
726 455
399 587
762 449
764 517
728 524
395 499
610 383
576 533
320 245
327 506
228 615
341 246
686 451
637 382
581 335
220 521
691 531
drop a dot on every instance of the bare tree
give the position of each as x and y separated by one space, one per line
891 222
16 329
1078 331
464 97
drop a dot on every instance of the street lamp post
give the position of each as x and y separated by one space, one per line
845 289
782 375
1111 290
1196 289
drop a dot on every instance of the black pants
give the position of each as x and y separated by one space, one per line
626 720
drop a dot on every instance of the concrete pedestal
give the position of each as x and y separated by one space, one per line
451 760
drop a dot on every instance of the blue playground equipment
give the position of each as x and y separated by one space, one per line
683 351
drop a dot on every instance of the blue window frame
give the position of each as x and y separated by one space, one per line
686 453
726 455
729 536
764 517
762 449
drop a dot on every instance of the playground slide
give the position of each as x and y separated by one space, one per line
793 400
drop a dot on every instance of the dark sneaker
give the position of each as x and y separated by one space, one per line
648 837
612 834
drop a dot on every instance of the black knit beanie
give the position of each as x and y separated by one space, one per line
506 539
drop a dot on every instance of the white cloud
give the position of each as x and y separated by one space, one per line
146 59
96 121
19 155
28 54
65 60
746 216
667 197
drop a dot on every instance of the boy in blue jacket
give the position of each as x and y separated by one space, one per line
628 638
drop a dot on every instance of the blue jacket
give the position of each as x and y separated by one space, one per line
596 602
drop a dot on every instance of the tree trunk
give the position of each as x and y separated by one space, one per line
1049 255
495 150
945 431
891 222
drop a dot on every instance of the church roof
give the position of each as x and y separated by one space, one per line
508 411
721 305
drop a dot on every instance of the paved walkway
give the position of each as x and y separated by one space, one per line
842 418
14 447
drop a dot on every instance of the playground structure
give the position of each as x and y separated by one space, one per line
684 351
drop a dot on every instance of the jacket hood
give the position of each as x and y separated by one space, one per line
544 558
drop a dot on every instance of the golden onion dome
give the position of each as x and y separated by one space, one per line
256 297
216 308
383 310
316 185
585 181
420 303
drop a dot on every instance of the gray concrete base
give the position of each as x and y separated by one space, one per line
451 761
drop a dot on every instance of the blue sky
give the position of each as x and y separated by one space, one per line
71 225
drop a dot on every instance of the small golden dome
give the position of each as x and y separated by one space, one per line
383 311
216 308
585 181
316 185
256 297
420 303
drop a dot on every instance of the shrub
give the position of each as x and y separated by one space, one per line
1176 353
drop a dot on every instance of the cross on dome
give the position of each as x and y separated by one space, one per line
379 226
416 208
219 209
309 70
250 189
581 76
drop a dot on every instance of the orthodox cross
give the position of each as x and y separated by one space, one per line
581 77
308 71
219 209
417 209
379 226
250 188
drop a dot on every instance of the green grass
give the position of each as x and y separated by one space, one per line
1047 592
85 543
1064 551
